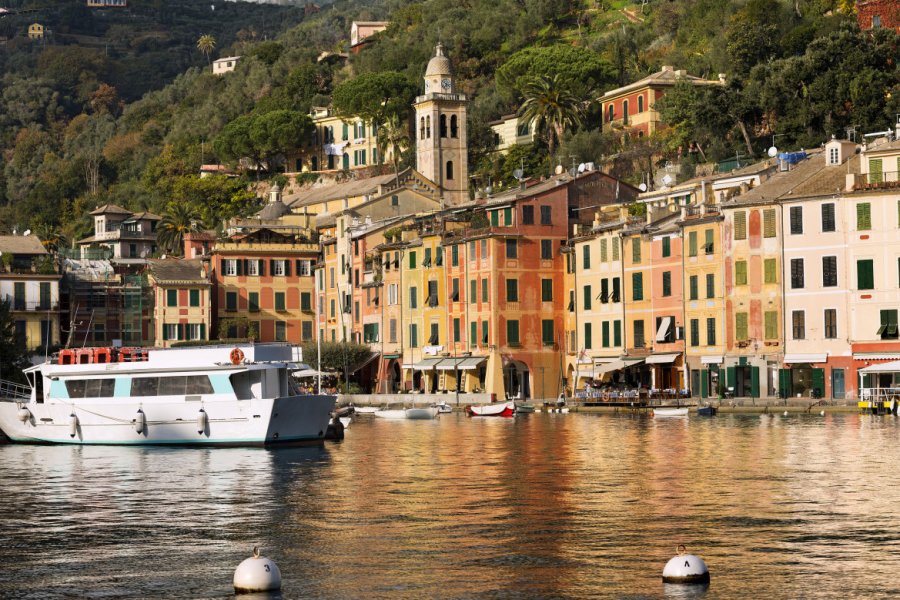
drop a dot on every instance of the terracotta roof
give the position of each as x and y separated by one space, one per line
173 270
146 215
110 209
273 210
21 244
349 189
666 76
809 177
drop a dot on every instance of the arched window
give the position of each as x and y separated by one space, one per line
346 161
625 112
611 113
443 126
449 169
421 128
428 126
640 104
454 127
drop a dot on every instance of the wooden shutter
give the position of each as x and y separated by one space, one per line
740 272
692 243
694 287
740 225
769 223
863 216
637 286
636 250
771 275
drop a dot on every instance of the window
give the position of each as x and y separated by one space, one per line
370 332
796 220
740 225
771 322
888 328
472 256
194 297
798 324
863 216
333 312
546 290
830 323
616 291
771 273
484 290
512 249
507 216
456 330
454 126
413 336
708 246
711 331
432 299
876 21
865 274
617 333
412 259
833 156
587 297
640 104
449 168
547 334
638 336
666 246
44 303
740 272
279 301
484 332
279 268
512 290
231 301
473 291
545 216
171 297
231 269
637 286
667 283
603 257
666 335
588 342
604 334
253 268
442 127
305 301
796 273
512 332
473 333
546 249
586 257
827 217
614 242
528 215
413 297
710 285
454 255
604 291
495 218
692 243
426 262
829 271
253 301
636 250
740 327
625 112
694 287
170 331
393 294
484 247
454 289
769 223
306 331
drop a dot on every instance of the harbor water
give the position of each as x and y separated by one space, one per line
539 506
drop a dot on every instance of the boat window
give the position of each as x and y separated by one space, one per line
171 386
91 388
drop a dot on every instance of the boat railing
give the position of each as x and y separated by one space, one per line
11 391
879 394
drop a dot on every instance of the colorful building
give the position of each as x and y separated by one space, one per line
182 301
512 130
120 234
29 282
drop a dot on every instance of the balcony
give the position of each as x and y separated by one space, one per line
889 180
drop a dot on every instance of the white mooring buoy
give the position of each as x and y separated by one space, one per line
685 568
23 414
257 574
822 413
202 421
785 413
140 421
73 425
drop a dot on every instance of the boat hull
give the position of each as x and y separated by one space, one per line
288 420
670 412
505 409
417 414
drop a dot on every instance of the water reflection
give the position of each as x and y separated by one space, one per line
545 506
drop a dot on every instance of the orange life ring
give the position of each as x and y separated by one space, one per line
237 356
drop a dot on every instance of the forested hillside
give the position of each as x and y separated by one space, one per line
71 139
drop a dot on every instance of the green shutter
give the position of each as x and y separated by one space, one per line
637 286
603 250
740 272
615 248
708 246
784 383
484 290
692 243
754 382
863 216
412 259
165 332
740 225
604 331
666 246
865 277
771 319
771 275
495 218
730 377
473 291
171 297
636 250
694 287
617 333
740 326
704 383
587 336
876 173
473 333
818 381
769 223
507 216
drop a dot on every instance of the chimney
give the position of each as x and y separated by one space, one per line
667 68
623 213
275 194
596 219
681 73
722 78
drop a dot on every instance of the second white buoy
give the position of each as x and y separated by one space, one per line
685 568
257 574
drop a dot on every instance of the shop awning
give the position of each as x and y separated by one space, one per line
470 362
616 365
805 358
711 360
889 367
426 364
876 355
367 361
662 359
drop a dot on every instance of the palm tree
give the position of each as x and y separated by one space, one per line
51 237
206 44
393 136
178 220
551 107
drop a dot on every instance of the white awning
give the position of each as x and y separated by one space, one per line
889 367
876 355
584 375
711 360
462 363
426 364
662 359
617 365
605 360
805 358
663 329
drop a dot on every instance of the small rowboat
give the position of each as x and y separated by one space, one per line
425 413
366 410
503 409
444 408
670 412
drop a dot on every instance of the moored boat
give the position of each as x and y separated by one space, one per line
423 413
444 408
670 412
524 408
707 411
502 409
212 395
366 410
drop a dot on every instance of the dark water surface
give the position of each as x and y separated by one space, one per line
541 506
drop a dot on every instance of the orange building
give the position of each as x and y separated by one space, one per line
182 307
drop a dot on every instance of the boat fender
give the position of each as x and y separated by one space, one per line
685 568
202 421
140 421
237 356
257 574
23 414
73 425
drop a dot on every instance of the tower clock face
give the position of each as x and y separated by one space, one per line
445 84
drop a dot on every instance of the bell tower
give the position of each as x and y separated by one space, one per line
441 141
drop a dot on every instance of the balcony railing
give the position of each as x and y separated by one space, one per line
877 181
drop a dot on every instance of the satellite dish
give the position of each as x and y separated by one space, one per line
559 169
581 168
643 187
27 232
772 152
488 190
667 180
518 173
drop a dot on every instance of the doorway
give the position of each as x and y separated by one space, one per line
838 391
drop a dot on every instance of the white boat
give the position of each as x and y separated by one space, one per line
428 412
444 408
670 412
365 410
524 408
213 395
501 409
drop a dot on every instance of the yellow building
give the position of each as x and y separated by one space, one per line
338 143
182 301
35 31
512 130
29 281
